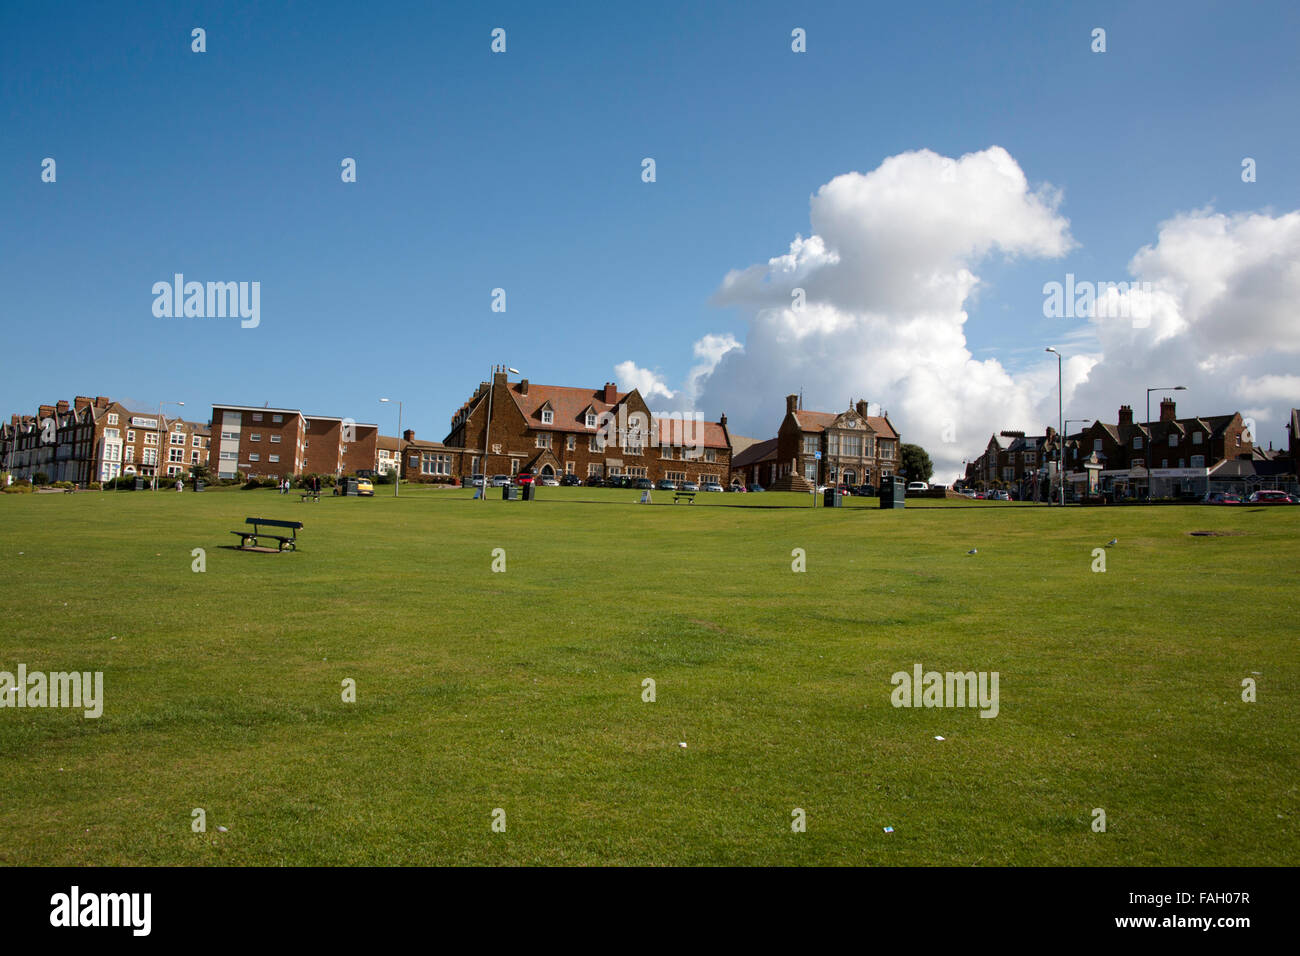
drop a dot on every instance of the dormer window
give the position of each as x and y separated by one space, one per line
1173 439
548 417
1196 438
591 419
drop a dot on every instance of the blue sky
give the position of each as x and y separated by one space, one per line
522 171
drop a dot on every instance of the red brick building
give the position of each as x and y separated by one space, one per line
552 430
849 447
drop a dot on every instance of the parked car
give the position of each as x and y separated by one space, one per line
689 486
711 486
754 488
1271 498
500 481
644 484
865 491
475 481
999 496
1222 498
549 482
917 486
845 490
570 481
595 481
665 485
524 478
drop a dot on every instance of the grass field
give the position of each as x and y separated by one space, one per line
522 690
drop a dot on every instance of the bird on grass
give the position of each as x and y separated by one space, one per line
1112 542
973 551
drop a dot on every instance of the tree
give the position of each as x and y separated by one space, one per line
916 463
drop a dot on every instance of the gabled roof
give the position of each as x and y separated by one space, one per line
755 453
675 431
569 405
820 421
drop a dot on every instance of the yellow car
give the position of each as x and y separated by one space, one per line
365 487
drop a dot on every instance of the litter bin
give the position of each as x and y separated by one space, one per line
831 498
199 484
139 484
509 493
893 492
527 492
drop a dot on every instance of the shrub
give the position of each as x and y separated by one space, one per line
252 484
19 488
95 486
40 478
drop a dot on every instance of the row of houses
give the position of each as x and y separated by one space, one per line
504 427
1187 456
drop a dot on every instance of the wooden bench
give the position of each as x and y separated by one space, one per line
688 495
285 541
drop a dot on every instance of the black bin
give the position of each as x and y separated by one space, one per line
831 498
139 484
528 491
199 484
509 493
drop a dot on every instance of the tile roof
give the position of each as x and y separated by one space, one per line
568 404
818 422
755 453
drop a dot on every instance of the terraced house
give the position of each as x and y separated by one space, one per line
553 430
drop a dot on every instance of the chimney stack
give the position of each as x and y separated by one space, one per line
62 406
1167 413
523 387
791 404
611 393
408 435
82 402
723 419
1125 415
102 401
862 407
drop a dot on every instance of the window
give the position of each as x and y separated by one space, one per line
256 436
254 457
1029 458
149 457
194 458
666 452
197 441
176 454
230 436
277 418
178 438
1196 438
886 448
568 467
130 433
591 420
570 442
129 454
595 443
543 440
112 418
710 455
636 472
273 458
1096 444
228 456
594 470
851 446
151 438
173 470
832 444
434 464
1173 439
675 475
869 447
113 434
810 470
257 416
548 417
415 461
810 444
1137 441
1198 461
275 439
514 466
473 469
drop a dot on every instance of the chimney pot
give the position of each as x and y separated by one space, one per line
791 404
1167 413
611 393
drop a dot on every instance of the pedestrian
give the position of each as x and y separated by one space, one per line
179 486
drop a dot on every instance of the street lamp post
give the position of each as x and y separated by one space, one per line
397 478
162 433
1147 438
487 427
1060 414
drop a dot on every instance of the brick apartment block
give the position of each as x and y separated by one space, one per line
286 442
98 439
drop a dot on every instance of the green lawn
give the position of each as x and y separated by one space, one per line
523 690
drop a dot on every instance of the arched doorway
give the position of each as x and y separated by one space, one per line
548 471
